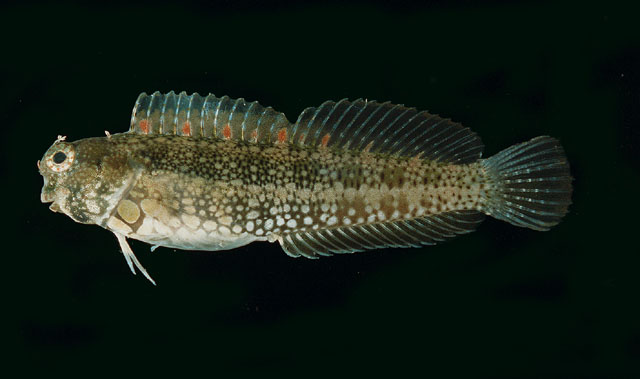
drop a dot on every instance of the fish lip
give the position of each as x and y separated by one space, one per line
47 197
54 207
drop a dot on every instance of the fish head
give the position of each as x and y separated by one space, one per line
85 179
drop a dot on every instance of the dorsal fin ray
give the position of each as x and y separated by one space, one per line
386 128
401 233
355 125
208 116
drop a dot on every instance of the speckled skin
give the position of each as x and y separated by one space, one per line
214 173
212 194
96 180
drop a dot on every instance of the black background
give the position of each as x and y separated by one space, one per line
502 301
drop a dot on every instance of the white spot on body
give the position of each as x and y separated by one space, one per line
268 224
161 228
210 225
225 220
146 228
129 211
118 226
191 221
292 223
92 206
174 222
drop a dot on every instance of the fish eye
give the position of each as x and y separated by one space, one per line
61 157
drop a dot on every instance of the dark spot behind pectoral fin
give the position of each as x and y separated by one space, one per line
403 233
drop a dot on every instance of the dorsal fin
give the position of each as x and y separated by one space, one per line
354 125
210 116
401 233
386 128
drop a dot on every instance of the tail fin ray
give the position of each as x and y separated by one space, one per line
530 184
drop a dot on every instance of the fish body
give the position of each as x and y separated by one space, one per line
208 173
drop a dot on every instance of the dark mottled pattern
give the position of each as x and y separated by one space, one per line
204 193
213 173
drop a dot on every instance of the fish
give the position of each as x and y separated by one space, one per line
214 173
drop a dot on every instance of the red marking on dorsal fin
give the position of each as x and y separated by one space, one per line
186 128
226 132
325 140
254 135
282 135
144 126
368 147
301 139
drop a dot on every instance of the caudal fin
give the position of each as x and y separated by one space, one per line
530 184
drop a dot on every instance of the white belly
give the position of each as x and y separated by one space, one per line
178 234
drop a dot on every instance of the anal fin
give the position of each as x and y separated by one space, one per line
402 233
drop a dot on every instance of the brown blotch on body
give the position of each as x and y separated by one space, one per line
129 211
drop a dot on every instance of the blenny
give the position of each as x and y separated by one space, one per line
209 173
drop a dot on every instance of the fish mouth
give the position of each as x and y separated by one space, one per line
47 197
55 207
